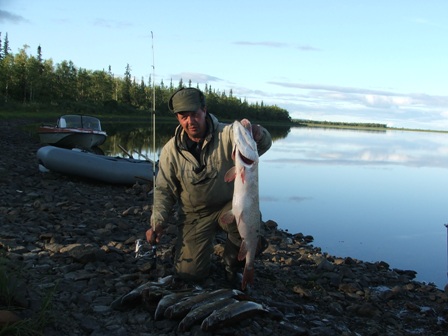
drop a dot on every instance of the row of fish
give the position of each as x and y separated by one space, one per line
211 309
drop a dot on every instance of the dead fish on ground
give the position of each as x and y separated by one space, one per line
202 311
134 297
168 301
245 204
181 309
232 313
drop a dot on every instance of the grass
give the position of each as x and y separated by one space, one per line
10 277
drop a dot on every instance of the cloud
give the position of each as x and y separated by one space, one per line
425 22
299 199
273 44
112 24
367 97
196 77
328 88
10 17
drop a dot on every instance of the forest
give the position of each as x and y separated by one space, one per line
35 82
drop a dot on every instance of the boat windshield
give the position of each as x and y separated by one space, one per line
79 121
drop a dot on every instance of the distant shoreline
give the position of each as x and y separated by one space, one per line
360 126
52 115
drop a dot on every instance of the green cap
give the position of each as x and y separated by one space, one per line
186 100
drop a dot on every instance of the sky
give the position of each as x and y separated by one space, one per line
376 61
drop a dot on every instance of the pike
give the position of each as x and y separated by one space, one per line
181 309
231 314
202 311
245 203
134 297
168 301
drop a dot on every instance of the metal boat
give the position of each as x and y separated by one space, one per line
73 131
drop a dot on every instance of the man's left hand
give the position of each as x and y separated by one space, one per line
257 133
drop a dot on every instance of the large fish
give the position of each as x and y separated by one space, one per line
245 203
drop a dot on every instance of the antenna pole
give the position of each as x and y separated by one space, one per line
153 115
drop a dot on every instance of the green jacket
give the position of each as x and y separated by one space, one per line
199 187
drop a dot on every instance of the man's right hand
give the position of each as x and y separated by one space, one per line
154 236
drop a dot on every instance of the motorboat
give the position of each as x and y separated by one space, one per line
73 131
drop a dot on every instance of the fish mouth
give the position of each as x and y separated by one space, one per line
245 159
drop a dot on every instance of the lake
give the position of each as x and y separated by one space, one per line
373 196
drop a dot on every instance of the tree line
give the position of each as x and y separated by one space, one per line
30 79
337 123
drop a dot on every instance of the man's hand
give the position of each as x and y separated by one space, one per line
153 236
257 133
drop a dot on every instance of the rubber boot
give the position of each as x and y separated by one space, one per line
234 266
262 246
231 262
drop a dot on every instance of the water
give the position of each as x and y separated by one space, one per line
374 196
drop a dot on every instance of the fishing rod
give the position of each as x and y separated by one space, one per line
154 245
153 114
446 225
140 245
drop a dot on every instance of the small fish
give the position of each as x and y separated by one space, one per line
202 311
135 296
231 314
245 203
181 309
168 301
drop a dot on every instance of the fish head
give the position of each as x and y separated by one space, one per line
245 147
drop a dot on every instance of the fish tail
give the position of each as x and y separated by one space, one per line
182 326
248 277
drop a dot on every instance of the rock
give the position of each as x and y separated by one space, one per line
8 318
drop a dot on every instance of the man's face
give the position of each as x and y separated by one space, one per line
193 123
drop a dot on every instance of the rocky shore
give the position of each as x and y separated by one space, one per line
73 241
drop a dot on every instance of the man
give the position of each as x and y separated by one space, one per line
191 173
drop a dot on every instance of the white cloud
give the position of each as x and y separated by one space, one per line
196 77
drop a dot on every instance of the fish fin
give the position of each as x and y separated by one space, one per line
243 251
248 277
242 172
227 217
230 175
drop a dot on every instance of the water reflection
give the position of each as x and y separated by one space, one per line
138 137
372 196
346 147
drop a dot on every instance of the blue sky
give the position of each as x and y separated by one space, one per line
356 61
